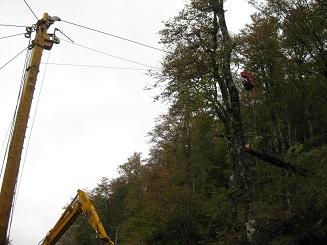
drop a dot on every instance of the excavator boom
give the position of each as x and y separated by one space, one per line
82 204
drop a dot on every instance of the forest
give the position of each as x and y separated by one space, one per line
229 165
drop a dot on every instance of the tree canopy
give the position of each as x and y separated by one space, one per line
199 184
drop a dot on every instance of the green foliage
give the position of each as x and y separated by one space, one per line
182 194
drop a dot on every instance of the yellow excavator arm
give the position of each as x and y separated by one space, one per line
82 204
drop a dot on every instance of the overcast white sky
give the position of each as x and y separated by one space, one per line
89 120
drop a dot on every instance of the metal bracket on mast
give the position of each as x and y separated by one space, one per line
42 26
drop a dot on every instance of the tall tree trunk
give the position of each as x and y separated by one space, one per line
289 133
234 120
224 116
306 113
233 184
308 119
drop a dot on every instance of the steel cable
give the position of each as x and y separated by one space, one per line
31 10
9 25
14 35
113 56
29 137
97 66
115 36
12 59
27 58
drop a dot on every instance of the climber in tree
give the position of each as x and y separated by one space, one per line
248 81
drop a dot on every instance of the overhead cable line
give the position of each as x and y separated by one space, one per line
14 35
28 143
115 36
31 9
8 25
2 147
5 152
113 56
12 58
56 29
27 60
11 127
97 66
10 137
5 142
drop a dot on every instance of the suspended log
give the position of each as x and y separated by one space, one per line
276 161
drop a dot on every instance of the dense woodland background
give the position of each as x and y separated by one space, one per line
193 189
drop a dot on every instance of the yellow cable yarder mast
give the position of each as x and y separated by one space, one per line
43 40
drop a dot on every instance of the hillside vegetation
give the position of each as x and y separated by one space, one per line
199 185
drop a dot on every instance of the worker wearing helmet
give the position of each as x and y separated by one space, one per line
248 81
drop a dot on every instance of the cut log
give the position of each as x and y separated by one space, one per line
276 161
